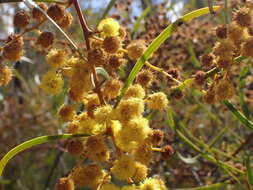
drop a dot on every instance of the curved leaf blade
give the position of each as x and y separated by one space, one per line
249 171
157 42
242 118
30 143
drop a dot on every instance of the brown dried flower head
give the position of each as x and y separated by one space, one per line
243 17
221 31
37 14
14 48
66 21
111 44
45 39
21 19
56 12
75 147
136 49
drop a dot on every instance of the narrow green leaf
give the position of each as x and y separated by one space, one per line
249 171
243 74
141 17
157 42
194 58
239 115
215 186
170 118
30 143
106 11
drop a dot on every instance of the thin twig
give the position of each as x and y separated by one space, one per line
87 32
210 5
54 166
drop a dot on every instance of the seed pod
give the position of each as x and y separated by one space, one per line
65 184
66 21
45 39
56 12
111 44
21 19
37 14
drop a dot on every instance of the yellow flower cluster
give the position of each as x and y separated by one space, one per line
119 142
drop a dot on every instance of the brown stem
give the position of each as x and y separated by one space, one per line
87 32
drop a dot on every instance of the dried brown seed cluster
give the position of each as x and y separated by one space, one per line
21 19
13 50
45 39
37 14
56 12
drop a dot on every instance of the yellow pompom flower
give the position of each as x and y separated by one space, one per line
52 82
108 27
144 153
135 91
153 184
123 168
157 101
103 114
136 129
125 142
66 112
129 108
88 125
87 175
56 58
141 172
109 186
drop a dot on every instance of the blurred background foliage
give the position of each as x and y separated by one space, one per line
26 112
